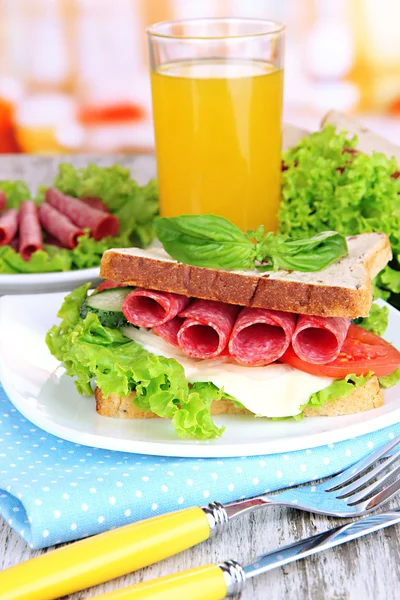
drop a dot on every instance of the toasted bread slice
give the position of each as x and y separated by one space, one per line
361 399
368 141
343 289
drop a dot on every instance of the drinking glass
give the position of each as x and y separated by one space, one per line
217 87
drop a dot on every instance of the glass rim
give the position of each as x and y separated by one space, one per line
275 27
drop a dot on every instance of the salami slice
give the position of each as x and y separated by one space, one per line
53 241
169 330
207 328
95 203
101 224
319 340
261 336
148 308
8 226
59 226
30 231
15 243
3 200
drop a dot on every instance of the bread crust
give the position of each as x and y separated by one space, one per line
361 399
276 291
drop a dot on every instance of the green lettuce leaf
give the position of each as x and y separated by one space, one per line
391 280
326 187
390 380
16 192
377 320
88 252
49 260
340 388
69 314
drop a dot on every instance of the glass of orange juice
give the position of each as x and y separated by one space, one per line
217 87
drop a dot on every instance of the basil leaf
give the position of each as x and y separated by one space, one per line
206 241
312 254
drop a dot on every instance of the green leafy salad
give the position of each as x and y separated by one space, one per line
91 351
327 184
133 205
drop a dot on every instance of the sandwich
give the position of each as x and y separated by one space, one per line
212 321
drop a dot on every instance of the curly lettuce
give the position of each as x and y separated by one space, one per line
388 381
49 260
326 185
15 191
377 320
340 388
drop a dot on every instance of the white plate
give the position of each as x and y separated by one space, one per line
39 283
53 404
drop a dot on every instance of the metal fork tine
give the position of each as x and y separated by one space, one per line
352 472
361 481
383 496
365 492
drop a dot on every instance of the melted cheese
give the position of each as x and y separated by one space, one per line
276 390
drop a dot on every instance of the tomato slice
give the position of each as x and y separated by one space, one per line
361 353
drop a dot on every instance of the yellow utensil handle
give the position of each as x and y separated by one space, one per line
203 583
104 557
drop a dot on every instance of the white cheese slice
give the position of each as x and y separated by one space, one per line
276 390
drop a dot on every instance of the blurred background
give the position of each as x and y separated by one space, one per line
74 73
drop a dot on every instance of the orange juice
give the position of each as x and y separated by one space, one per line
218 139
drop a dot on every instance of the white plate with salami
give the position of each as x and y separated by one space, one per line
50 401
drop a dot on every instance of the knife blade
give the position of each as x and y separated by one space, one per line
321 541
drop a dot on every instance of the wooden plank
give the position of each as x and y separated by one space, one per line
368 568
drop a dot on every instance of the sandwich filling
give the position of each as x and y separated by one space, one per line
274 391
98 345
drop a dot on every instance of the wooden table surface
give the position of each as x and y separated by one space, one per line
367 569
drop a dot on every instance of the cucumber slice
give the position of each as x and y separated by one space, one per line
107 305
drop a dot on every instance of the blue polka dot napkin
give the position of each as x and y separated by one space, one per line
52 491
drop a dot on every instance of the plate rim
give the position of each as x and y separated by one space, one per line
48 277
199 450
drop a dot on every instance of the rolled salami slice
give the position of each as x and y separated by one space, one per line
30 231
59 226
169 330
319 340
95 203
261 336
3 200
53 241
15 243
207 328
148 308
101 224
8 226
